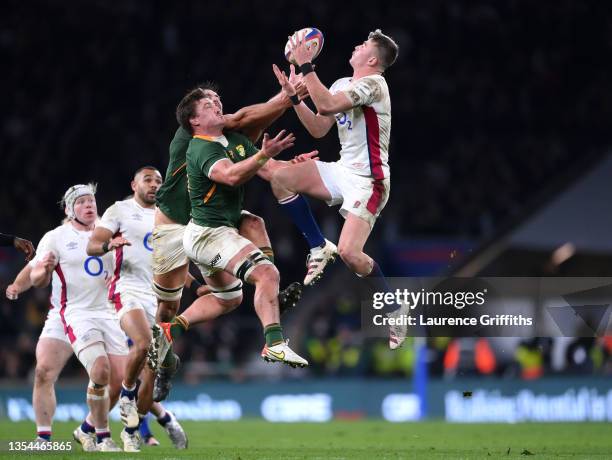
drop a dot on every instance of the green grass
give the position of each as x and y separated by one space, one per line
372 440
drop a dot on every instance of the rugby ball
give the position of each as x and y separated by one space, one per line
313 38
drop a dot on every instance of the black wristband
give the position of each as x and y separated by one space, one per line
7 240
295 100
105 247
194 286
306 68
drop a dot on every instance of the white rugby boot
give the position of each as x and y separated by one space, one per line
283 354
317 260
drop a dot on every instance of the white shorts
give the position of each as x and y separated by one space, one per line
126 301
212 248
54 328
168 252
360 195
86 331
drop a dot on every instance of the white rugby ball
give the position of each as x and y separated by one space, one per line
313 38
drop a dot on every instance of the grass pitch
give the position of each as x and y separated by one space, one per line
255 439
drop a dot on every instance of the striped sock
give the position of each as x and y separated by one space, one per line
136 428
179 326
268 252
44 432
87 428
129 392
102 433
164 419
273 334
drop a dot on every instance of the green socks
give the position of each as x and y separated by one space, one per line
273 334
178 326
268 252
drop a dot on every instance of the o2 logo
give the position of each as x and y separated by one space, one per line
343 119
93 266
147 241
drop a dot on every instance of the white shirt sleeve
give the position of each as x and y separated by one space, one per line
111 219
47 244
364 91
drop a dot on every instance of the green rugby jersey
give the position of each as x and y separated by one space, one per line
173 197
214 204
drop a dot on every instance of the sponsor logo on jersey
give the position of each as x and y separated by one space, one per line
357 204
137 217
230 153
215 260
72 245
241 151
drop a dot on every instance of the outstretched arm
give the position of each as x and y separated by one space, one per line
20 244
234 174
21 284
102 241
254 119
316 124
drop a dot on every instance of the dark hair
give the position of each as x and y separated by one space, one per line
142 168
387 48
185 111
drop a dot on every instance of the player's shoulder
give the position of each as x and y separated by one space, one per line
374 78
179 141
200 142
196 144
181 135
58 232
237 138
340 83
129 204
203 145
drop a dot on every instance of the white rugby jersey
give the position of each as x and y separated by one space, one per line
133 264
365 130
78 283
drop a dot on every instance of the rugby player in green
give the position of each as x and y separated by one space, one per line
170 264
218 165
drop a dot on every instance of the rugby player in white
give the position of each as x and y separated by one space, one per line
90 325
359 182
126 228
52 353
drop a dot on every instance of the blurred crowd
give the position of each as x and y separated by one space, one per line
492 102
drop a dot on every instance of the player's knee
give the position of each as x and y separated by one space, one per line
349 256
252 225
141 343
266 274
100 371
279 184
45 374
